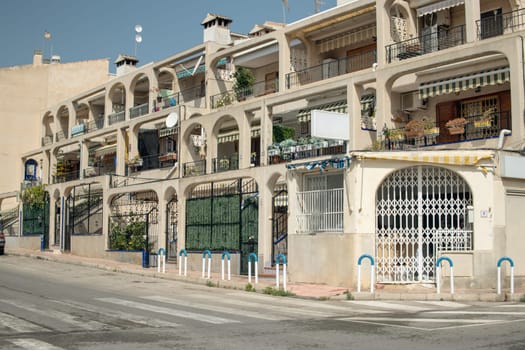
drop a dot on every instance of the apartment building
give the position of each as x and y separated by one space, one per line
388 128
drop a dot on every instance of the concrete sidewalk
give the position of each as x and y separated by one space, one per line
303 290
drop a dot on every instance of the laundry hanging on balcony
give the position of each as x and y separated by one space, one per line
462 83
305 115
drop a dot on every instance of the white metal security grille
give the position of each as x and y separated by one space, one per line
421 211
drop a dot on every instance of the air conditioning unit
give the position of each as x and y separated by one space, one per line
411 102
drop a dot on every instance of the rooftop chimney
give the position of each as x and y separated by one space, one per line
125 64
217 29
37 58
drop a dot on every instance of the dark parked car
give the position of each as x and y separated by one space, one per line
2 243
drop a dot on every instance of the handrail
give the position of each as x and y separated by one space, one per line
206 254
161 256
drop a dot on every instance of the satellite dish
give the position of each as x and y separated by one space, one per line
138 38
138 28
172 119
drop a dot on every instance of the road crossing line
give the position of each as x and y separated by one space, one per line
33 344
168 311
507 313
19 325
278 308
444 303
512 305
389 306
147 321
421 320
61 316
214 308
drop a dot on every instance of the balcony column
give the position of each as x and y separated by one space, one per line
52 164
84 157
154 91
106 209
72 120
382 30
211 145
44 164
108 109
284 61
266 132
52 218
472 14
122 147
128 103
517 86
353 97
245 136
265 238
383 103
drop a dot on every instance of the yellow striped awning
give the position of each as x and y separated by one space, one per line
471 81
429 157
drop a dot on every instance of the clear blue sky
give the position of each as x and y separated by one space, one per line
84 30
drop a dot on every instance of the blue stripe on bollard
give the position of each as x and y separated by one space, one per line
365 256
280 257
253 257
206 252
505 258
227 255
439 260
183 252
162 251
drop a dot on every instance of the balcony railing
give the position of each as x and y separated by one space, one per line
154 161
47 140
194 168
297 152
332 69
95 170
65 177
260 88
225 163
140 110
500 24
442 39
116 117
96 124
59 136
476 128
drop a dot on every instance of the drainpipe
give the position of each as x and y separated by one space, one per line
501 139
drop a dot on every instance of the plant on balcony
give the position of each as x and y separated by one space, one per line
304 144
288 145
456 126
281 133
429 127
414 128
136 161
396 134
243 85
485 121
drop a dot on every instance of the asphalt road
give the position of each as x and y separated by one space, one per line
47 305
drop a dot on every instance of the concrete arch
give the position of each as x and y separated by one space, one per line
169 193
195 115
137 78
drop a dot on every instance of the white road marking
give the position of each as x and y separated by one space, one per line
147 321
389 306
421 320
19 325
512 305
167 311
508 313
450 304
61 316
214 308
34 344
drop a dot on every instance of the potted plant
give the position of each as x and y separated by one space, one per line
456 126
243 85
136 161
414 128
485 121
429 127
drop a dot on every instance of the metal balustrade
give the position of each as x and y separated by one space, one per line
332 69
59 136
116 117
443 38
138 111
259 88
500 24
95 125
225 163
67 176
194 168
320 211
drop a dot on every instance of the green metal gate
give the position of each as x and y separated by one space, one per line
223 216
35 219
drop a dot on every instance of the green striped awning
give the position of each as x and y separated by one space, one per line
448 86
305 115
234 136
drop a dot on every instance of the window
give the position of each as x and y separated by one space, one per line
321 204
491 24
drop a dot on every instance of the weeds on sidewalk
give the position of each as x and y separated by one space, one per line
349 295
249 287
209 283
277 292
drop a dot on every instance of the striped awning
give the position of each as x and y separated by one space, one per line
234 136
441 5
448 86
335 163
305 115
472 158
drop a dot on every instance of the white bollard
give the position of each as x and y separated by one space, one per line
359 278
284 276
451 280
229 271
185 266
499 280
256 274
277 275
209 267
203 267
372 279
438 286
222 269
512 280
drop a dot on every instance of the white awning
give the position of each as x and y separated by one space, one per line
106 150
463 83
442 5
305 115
335 163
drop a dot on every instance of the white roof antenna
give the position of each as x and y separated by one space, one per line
172 120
